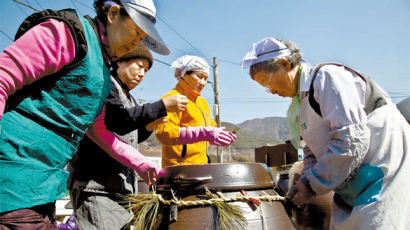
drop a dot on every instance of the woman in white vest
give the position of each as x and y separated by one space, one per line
357 142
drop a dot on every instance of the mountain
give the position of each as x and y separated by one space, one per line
276 128
249 137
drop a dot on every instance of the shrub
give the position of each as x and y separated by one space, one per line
240 158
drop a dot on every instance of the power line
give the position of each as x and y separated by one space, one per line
177 49
254 98
41 7
75 6
183 52
27 2
76 9
21 9
162 62
16 1
230 62
1 31
399 96
252 101
400 93
242 101
84 5
182 37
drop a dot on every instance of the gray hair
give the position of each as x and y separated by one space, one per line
273 64
102 6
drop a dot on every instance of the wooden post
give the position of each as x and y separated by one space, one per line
216 107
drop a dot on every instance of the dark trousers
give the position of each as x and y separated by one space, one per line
38 217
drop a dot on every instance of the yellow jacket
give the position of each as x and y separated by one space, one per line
197 113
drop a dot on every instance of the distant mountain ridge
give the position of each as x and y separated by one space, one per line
252 133
276 128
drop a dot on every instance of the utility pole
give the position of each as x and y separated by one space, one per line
216 107
140 100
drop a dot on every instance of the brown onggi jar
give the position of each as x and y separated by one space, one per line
188 181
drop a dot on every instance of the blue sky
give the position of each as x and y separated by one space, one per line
372 36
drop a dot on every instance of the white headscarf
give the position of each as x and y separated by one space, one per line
266 49
190 63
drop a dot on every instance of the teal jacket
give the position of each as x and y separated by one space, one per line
45 121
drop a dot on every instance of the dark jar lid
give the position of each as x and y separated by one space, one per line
215 176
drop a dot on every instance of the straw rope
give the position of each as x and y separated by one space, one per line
181 203
145 208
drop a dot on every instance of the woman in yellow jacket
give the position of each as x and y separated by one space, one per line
185 136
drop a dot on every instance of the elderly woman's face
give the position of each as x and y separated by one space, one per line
282 82
196 80
133 71
123 34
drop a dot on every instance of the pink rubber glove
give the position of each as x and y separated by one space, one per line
214 135
122 151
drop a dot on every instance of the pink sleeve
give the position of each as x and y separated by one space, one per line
41 51
118 149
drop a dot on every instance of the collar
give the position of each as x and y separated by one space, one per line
186 90
305 78
103 36
120 82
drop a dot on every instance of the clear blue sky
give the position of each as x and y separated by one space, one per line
372 36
